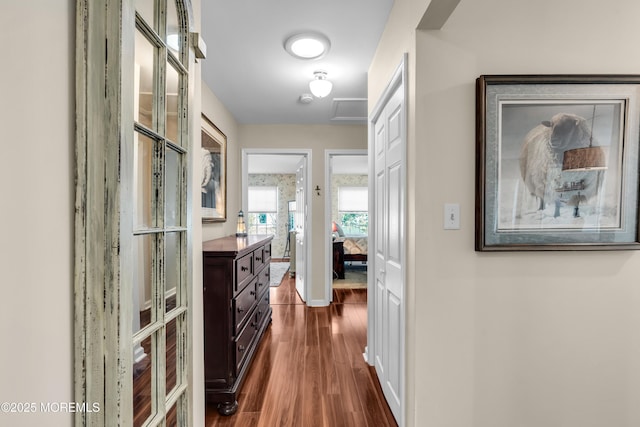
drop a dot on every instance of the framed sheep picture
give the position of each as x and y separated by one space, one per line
557 162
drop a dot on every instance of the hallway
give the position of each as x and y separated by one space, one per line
309 370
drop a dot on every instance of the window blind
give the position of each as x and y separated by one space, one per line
353 199
263 199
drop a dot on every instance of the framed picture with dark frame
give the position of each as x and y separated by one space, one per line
557 162
213 172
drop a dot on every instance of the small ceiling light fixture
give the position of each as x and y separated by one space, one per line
306 98
309 45
320 86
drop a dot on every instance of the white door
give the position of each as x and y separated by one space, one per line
388 146
301 224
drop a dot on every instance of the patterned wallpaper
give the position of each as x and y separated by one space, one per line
286 184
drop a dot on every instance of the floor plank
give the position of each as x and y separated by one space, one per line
309 370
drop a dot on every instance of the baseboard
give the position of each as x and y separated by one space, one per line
138 354
318 303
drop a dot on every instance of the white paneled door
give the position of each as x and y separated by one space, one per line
301 224
388 234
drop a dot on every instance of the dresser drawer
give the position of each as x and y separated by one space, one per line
258 259
267 252
242 345
243 305
264 279
244 270
263 308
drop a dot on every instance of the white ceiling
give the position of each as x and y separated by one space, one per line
260 83
357 165
288 163
273 163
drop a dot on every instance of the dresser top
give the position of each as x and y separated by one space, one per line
232 245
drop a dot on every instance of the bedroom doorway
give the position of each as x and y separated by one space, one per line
346 219
274 183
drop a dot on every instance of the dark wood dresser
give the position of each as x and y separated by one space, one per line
236 280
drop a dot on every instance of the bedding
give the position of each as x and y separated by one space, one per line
355 245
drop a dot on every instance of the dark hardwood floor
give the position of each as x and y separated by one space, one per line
309 369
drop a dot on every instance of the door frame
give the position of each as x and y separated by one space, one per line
328 241
398 80
307 189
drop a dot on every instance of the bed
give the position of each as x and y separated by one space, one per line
355 248
347 249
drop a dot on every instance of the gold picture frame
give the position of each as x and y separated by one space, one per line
213 172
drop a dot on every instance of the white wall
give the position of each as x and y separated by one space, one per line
318 138
37 187
509 339
218 114
211 107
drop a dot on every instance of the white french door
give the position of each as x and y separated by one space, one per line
388 146
133 209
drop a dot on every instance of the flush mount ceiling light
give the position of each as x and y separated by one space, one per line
307 45
320 86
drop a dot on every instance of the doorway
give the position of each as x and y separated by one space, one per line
274 188
346 219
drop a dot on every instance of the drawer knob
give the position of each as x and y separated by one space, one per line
259 258
243 268
252 293
241 348
240 309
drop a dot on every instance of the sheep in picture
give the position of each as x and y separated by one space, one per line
542 153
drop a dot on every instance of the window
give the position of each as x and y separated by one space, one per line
262 210
353 210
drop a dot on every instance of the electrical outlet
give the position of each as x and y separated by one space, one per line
451 216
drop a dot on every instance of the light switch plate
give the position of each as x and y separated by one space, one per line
451 216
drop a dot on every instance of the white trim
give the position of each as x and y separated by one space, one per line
308 189
398 80
318 303
328 241
138 353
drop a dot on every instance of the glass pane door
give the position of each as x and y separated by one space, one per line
159 329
